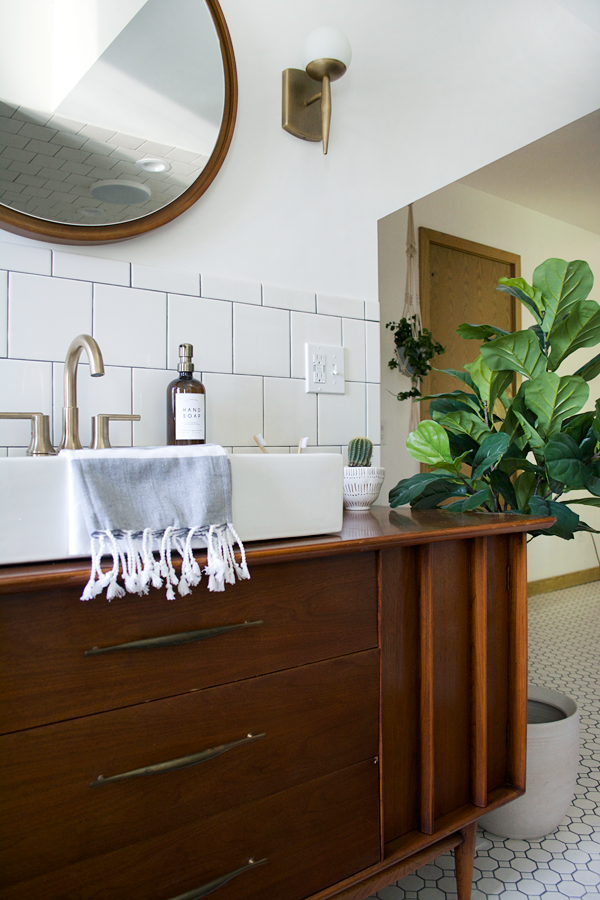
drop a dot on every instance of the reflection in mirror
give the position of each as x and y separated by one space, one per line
118 128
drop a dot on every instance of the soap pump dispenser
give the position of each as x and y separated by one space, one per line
186 404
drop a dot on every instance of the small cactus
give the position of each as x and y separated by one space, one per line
360 450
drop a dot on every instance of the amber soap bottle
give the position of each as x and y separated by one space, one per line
186 404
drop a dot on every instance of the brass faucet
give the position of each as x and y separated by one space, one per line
70 422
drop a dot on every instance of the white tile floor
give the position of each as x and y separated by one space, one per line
564 643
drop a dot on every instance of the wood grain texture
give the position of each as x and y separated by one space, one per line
310 611
560 582
382 528
400 709
426 710
458 281
386 872
451 675
498 661
479 751
464 855
60 233
517 692
312 835
317 719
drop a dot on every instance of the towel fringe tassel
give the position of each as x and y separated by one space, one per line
132 555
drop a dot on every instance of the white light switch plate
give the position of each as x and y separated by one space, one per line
325 369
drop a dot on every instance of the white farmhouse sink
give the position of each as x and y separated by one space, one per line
274 496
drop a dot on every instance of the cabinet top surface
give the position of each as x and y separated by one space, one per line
376 529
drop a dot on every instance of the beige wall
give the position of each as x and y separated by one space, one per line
476 216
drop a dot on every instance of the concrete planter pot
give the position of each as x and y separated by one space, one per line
552 759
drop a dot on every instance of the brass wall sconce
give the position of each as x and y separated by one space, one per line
326 55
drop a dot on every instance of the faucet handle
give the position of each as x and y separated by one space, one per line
40 444
100 440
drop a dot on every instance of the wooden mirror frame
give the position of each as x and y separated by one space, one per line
61 233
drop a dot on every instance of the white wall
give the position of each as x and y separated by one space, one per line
436 89
477 216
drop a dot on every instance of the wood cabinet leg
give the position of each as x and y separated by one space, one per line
464 857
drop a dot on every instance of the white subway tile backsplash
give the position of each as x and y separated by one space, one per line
110 393
16 451
155 279
372 310
311 329
249 350
353 334
90 268
373 357
373 431
330 305
261 341
218 288
19 258
24 387
207 325
234 409
45 314
3 313
288 298
290 413
131 326
342 416
150 402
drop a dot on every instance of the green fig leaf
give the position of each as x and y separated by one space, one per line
581 328
552 399
479 332
566 520
564 462
465 423
589 369
409 488
490 453
562 285
518 352
429 444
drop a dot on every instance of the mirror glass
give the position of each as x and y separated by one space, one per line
110 110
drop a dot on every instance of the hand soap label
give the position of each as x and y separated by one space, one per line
189 417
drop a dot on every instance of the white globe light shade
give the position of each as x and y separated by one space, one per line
326 43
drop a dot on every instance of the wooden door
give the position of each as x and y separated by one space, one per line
458 281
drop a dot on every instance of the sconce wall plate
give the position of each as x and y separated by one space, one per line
298 116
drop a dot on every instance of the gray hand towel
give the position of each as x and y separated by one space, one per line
133 497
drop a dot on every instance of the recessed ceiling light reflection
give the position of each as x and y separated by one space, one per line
91 212
127 193
151 164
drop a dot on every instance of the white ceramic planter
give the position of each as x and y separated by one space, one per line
362 485
552 759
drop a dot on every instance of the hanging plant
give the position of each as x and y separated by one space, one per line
415 347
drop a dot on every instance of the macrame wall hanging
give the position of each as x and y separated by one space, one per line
412 309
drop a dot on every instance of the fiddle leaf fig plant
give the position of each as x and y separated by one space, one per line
525 453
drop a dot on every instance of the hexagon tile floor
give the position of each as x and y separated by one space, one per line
564 644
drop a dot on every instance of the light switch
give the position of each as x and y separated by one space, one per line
324 369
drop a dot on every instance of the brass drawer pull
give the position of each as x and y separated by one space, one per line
184 762
170 640
207 889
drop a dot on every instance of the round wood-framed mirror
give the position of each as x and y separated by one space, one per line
92 175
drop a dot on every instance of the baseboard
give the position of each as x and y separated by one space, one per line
560 582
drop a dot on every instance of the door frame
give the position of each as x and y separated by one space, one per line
428 237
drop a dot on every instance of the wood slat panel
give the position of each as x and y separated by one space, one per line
400 692
517 729
426 689
498 662
479 778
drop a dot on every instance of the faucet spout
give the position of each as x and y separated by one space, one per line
70 431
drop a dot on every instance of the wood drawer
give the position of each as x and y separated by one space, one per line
316 719
310 610
312 835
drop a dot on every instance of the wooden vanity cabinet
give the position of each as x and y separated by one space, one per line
362 705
